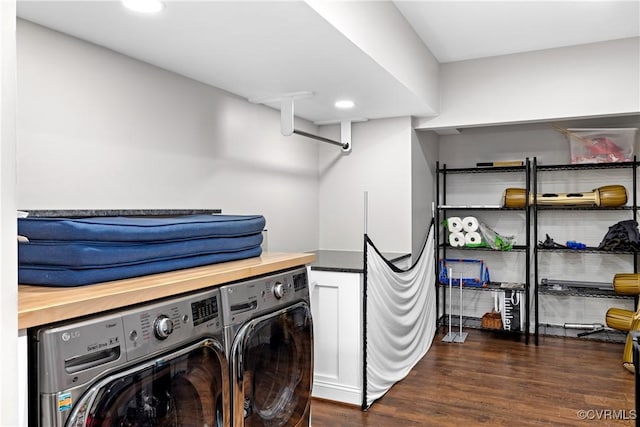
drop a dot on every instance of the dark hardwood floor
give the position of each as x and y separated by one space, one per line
494 380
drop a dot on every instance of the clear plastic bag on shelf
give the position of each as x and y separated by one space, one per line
495 240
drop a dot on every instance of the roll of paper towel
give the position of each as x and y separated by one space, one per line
456 239
470 223
454 224
472 238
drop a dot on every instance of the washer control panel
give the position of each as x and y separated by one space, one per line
76 352
155 327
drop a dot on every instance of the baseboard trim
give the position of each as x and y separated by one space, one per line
337 392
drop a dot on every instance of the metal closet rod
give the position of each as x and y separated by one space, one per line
344 146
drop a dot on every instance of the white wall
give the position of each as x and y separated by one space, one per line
100 130
424 154
9 393
579 81
380 163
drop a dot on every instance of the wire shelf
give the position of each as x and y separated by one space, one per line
588 250
495 169
491 286
515 248
606 335
587 166
573 291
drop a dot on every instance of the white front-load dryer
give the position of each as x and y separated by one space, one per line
269 334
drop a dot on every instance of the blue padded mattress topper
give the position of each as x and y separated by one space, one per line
97 254
69 277
63 252
139 229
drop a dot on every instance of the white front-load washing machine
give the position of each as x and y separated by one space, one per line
160 364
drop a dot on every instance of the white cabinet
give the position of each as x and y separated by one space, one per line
336 307
23 394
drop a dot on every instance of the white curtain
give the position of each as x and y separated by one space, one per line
400 318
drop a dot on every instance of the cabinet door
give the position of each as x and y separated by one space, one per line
336 305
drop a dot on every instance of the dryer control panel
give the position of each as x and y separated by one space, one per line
244 300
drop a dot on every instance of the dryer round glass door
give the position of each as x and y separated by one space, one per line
273 383
185 388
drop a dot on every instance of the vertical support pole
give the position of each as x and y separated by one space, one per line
364 406
534 242
366 212
365 290
436 251
450 337
636 372
635 218
527 264
443 243
345 135
460 304
286 116
462 336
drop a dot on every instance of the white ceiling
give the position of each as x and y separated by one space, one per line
266 49
461 30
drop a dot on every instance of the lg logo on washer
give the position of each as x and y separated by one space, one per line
66 336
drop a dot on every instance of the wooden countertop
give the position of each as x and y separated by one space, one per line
39 305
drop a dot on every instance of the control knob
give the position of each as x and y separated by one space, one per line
162 327
278 290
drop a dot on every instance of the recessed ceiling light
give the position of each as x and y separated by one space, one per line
144 6
344 104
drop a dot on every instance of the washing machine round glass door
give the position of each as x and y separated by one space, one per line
274 369
184 388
